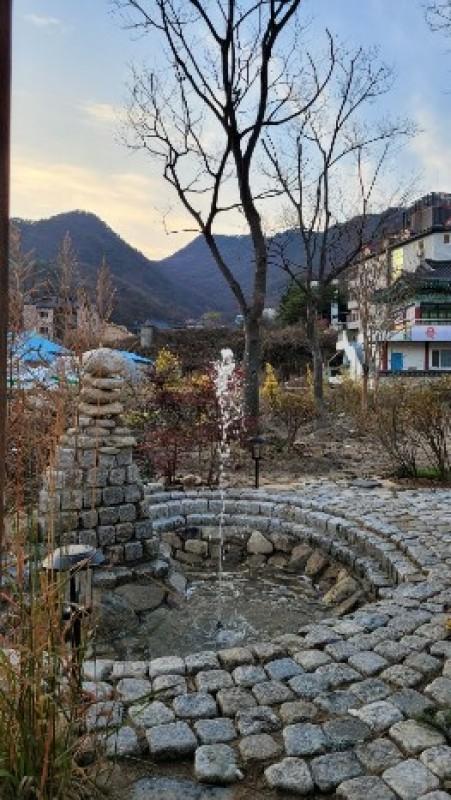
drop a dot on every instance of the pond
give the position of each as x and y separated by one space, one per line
254 606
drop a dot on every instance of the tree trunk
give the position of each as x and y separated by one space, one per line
365 381
318 373
317 355
252 366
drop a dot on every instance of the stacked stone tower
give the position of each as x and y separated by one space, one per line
93 494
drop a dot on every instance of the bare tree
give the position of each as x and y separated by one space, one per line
375 319
329 175
65 288
231 73
105 292
22 283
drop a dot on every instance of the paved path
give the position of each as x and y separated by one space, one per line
338 708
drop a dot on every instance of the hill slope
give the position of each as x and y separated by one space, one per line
143 290
186 284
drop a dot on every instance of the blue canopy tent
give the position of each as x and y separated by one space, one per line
36 360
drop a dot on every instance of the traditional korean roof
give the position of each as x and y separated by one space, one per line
431 276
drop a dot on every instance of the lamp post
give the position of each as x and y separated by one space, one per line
256 443
75 561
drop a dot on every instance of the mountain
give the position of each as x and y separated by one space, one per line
185 284
143 290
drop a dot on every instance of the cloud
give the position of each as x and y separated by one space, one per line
430 149
43 22
124 200
103 113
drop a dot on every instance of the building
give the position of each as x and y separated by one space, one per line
49 318
399 309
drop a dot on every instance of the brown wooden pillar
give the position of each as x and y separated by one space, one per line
5 133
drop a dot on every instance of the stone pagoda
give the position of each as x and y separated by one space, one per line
93 493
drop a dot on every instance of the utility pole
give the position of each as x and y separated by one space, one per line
5 140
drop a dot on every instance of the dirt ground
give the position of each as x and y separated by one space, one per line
329 447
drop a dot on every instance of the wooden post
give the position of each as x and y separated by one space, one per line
5 131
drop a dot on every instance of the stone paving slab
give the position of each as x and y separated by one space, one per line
342 698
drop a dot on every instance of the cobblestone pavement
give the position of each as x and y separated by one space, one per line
357 707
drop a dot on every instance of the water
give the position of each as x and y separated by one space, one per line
230 411
256 606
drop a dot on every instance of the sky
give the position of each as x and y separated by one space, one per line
71 69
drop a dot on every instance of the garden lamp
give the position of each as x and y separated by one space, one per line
257 443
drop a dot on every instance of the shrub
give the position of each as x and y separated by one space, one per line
290 408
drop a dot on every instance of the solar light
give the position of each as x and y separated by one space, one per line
257 443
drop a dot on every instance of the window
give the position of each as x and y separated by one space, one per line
441 359
446 238
43 330
43 314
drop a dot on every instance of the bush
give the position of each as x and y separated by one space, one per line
180 421
288 407
413 423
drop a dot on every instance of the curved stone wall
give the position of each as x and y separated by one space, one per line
336 708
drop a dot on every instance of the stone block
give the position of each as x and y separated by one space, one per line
92 498
125 457
212 731
282 669
133 493
248 675
106 460
109 515
88 519
166 687
414 737
130 690
87 458
143 529
115 553
96 477
365 788
106 714
235 656
213 680
112 495
196 705
346 732
124 531
173 740
304 739
106 535
129 669
167 665
204 661
438 760
291 775
148 715
410 779
216 764
378 755
252 721
233 700
260 747
269 693
88 537
197 546
379 716
330 770
132 474
133 551
117 476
